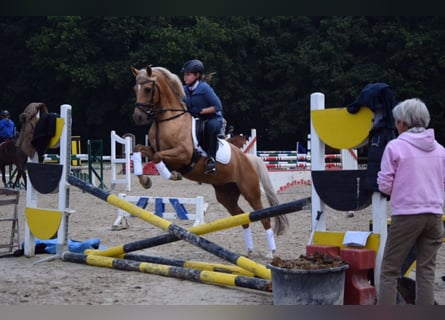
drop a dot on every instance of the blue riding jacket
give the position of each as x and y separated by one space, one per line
7 128
201 97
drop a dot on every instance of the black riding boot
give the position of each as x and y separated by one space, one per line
210 165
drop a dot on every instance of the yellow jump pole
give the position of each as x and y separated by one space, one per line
190 264
217 225
204 276
181 233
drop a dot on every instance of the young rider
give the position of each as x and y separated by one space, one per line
202 102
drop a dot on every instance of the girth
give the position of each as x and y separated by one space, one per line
195 158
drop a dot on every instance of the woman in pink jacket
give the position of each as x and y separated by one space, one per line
412 174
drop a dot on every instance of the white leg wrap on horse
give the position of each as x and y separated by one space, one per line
248 238
137 163
163 170
270 239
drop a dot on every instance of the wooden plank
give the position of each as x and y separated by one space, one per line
342 190
340 129
43 223
336 239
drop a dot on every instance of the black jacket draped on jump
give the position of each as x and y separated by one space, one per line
380 98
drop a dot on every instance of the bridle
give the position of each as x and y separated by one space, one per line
148 108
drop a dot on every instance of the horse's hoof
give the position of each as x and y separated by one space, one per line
269 255
145 182
119 227
249 252
175 176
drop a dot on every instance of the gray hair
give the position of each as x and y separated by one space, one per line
413 112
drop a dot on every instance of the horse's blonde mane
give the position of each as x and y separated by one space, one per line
172 80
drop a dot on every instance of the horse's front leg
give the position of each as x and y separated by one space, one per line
144 181
146 152
176 155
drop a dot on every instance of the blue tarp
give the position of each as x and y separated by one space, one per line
73 245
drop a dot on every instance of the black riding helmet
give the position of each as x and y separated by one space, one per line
193 66
4 113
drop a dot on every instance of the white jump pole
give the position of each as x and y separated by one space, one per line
379 203
317 150
379 226
63 194
115 161
250 145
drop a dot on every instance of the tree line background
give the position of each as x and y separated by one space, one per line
265 67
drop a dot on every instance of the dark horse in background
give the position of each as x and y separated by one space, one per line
159 97
10 154
238 140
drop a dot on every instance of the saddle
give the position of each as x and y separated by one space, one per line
200 131
200 146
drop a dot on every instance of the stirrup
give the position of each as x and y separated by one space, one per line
210 166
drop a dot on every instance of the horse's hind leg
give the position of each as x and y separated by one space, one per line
24 177
252 193
20 174
269 238
228 195
3 176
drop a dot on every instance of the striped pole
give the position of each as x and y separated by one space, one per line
217 225
250 145
181 233
284 158
204 276
190 264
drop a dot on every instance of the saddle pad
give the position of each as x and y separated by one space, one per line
224 151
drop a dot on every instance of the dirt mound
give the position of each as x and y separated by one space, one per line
314 261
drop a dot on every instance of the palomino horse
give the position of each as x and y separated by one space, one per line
159 95
11 154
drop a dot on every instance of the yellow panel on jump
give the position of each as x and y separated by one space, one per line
340 129
43 223
336 239
54 141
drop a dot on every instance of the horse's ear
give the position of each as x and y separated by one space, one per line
148 70
134 70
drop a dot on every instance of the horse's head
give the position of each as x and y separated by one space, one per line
152 85
145 94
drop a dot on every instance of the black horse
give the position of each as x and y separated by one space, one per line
10 154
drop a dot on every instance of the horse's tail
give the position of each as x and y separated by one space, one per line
281 222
